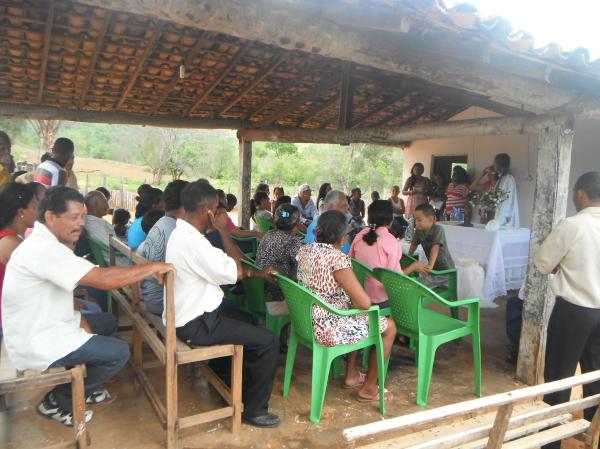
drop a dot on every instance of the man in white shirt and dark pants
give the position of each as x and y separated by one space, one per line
41 328
572 253
201 270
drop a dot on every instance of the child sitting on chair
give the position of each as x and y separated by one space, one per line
431 237
263 209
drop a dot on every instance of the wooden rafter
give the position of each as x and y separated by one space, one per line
383 105
318 111
140 63
346 97
189 59
286 86
410 107
299 101
99 43
368 100
47 36
232 64
259 79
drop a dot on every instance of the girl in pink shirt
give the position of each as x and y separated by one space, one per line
376 247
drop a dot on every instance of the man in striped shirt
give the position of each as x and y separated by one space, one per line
52 171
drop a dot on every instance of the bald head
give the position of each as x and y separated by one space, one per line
96 204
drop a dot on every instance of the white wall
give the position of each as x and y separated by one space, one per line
481 152
586 152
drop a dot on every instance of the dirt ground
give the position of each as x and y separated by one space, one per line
129 422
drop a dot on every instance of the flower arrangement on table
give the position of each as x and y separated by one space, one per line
488 201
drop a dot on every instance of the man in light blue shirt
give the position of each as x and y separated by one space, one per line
335 200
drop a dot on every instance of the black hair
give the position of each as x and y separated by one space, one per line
381 213
62 149
413 178
45 157
280 188
55 200
149 200
142 190
355 190
150 218
590 184
323 192
197 194
231 201
262 187
460 174
283 199
104 191
172 194
503 160
259 196
375 195
221 195
286 217
331 227
14 196
121 217
427 209
4 137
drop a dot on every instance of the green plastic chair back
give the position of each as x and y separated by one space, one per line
300 302
252 243
263 224
408 299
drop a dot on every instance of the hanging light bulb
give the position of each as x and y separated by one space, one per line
181 71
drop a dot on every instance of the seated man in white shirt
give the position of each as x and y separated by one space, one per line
201 269
41 328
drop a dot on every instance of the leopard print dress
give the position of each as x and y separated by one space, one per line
316 264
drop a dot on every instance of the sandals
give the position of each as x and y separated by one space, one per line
361 380
386 396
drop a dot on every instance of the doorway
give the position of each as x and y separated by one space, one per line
445 164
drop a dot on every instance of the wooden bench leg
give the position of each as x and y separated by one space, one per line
78 393
236 387
172 430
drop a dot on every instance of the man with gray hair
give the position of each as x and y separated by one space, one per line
335 200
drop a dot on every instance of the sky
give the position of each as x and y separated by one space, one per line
572 23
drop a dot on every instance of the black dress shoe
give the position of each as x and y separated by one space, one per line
266 420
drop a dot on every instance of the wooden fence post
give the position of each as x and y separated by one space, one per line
245 182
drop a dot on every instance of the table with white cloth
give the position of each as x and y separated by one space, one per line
503 254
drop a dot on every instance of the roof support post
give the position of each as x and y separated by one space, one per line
550 206
245 182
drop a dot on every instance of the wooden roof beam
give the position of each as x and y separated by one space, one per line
284 24
346 97
413 104
390 135
46 51
265 73
140 64
37 112
99 42
189 59
315 113
286 86
232 65
382 106
299 101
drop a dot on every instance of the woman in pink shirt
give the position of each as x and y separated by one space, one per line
376 247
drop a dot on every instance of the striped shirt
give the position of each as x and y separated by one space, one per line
456 196
50 173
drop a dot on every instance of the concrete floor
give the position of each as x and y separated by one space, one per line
130 423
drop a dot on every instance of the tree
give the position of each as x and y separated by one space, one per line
158 149
281 149
46 130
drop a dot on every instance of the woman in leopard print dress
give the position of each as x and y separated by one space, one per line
325 270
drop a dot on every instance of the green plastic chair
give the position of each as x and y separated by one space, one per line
429 328
449 293
300 301
252 241
254 289
263 224
362 272
98 249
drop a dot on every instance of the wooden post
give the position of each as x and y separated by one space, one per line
245 182
550 205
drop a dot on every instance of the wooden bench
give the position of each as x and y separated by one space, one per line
506 420
13 381
171 352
